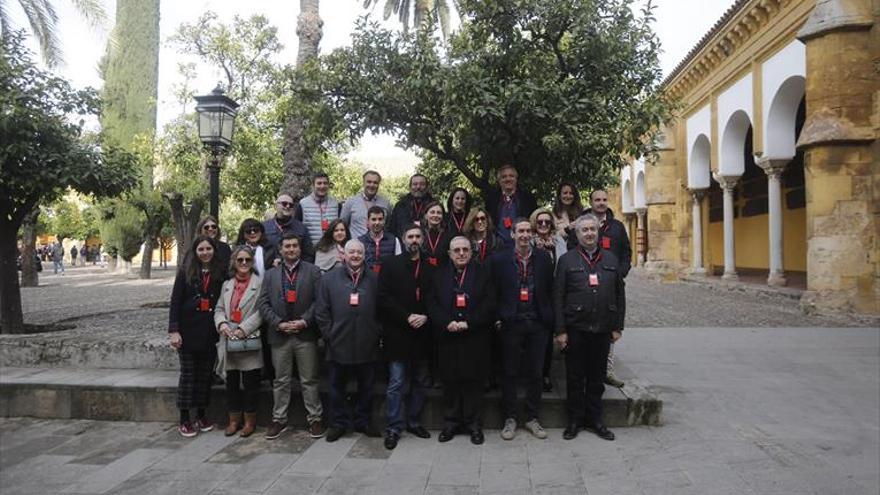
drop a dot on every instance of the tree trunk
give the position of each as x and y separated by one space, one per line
11 318
29 275
184 222
112 263
296 156
147 258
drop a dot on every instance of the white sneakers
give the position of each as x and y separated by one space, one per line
509 430
533 426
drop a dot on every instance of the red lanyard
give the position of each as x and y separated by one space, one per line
524 267
206 282
417 269
321 208
458 225
291 276
355 278
483 249
378 252
433 245
418 211
461 278
587 258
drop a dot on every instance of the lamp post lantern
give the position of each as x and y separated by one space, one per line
216 124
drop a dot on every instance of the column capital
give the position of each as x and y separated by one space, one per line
697 193
727 182
772 166
641 211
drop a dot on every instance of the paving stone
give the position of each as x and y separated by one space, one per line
457 463
237 452
296 483
118 471
369 448
396 479
322 457
258 473
193 452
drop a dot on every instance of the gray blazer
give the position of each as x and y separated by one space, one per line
352 333
273 304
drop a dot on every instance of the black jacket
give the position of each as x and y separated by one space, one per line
507 284
525 205
352 333
405 213
196 327
612 237
462 355
397 300
582 308
439 253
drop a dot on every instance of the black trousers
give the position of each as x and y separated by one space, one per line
523 344
243 400
463 404
194 384
586 361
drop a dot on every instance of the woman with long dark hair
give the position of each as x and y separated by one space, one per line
252 234
566 208
330 249
458 205
437 235
192 333
479 228
210 227
240 348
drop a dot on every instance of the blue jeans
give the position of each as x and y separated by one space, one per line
365 374
407 382
58 265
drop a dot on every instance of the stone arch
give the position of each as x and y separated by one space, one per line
627 201
782 118
733 139
699 163
639 199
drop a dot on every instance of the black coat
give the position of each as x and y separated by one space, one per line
525 205
397 300
352 333
196 327
612 237
404 213
507 284
463 355
582 308
440 252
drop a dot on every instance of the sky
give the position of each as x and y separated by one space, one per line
680 25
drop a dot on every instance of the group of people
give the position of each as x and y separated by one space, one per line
461 295
55 252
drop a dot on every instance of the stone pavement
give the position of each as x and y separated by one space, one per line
749 411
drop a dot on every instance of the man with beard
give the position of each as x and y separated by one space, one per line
411 207
461 309
587 297
612 236
403 286
284 222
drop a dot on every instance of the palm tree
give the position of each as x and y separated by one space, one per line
43 21
420 10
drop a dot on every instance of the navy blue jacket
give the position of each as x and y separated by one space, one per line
507 284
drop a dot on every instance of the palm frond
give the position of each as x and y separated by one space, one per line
43 19
92 11
442 9
391 6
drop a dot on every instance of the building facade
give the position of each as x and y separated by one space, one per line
772 165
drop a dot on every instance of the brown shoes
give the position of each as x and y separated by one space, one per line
234 424
316 429
275 430
250 425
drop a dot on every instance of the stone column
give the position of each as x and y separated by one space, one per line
728 183
839 141
697 219
641 236
774 168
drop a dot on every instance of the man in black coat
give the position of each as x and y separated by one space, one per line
411 207
403 287
524 279
587 297
508 201
461 309
613 237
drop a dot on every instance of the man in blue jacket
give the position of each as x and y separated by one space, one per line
524 280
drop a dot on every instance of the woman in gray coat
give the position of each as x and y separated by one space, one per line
240 357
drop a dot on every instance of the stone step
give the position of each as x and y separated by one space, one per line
149 395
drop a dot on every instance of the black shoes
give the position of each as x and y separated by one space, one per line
571 431
547 384
334 433
601 431
419 431
477 437
391 439
369 431
446 435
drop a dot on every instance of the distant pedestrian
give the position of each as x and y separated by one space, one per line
83 254
58 257
192 333
74 252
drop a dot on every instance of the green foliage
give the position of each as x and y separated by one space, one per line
43 154
122 229
421 11
131 74
66 220
561 89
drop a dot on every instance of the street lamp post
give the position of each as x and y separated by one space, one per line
216 123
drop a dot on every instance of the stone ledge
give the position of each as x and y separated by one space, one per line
149 395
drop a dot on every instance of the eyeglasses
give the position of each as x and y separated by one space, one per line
544 222
480 219
461 250
243 261
253 230
286 204
209 226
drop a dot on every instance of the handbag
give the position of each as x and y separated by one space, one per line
252 343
